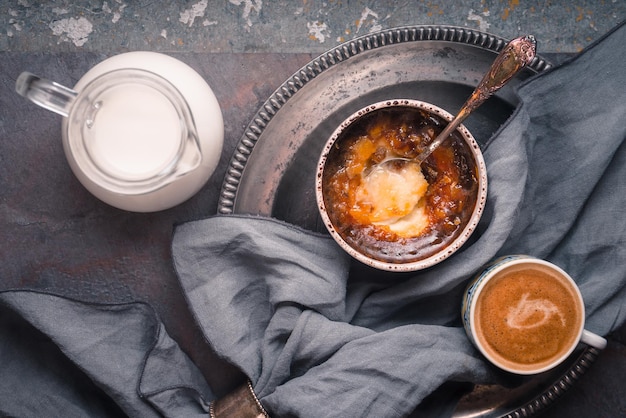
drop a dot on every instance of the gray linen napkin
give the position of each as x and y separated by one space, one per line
277 302
66 358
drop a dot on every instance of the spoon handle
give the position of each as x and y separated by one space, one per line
515 55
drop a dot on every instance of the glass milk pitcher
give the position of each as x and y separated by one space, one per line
142 131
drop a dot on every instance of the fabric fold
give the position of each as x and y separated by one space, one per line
236 289
342 368
92 360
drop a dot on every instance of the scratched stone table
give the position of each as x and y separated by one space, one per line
56 237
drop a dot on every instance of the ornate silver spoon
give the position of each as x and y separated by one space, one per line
518 53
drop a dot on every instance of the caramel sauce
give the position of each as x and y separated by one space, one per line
447 203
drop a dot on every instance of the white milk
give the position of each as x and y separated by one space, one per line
136 132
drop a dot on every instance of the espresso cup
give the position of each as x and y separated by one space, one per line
410 217
142 131
525 315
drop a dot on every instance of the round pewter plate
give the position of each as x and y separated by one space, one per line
272 170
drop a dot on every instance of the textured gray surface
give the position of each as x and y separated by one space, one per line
56 237
284 25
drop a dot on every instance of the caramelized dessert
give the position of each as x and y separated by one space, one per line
399 212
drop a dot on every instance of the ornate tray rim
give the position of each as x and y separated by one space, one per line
337 55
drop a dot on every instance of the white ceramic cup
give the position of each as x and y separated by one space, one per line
142 131
522 313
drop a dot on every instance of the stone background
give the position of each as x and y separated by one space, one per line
56 237
285 26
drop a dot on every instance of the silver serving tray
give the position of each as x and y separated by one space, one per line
271 172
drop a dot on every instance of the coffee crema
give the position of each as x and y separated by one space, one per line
409 214
527 317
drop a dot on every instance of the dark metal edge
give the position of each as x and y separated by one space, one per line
559 387
340 53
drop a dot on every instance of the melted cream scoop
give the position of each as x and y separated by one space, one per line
394 197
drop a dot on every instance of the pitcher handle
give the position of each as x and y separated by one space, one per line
45 93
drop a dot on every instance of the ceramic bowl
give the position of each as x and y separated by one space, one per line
446 214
